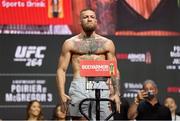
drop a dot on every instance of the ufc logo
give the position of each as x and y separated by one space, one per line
32 55
29 51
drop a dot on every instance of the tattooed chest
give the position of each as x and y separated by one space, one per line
89 47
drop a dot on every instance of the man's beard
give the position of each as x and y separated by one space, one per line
89 28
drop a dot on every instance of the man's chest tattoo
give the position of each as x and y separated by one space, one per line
89 46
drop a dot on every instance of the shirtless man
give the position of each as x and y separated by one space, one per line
85 46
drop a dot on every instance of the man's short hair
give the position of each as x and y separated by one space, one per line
149 81
86 9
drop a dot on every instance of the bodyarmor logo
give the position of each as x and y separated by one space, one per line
32 55
136 57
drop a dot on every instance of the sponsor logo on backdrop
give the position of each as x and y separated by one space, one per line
27 90
173 89
175 57
22 4
31 55
47 12
131 89
135 57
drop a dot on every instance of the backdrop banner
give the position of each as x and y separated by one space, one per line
28 65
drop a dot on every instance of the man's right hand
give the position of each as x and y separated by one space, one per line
141 95
64 102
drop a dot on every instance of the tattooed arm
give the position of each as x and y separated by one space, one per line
116 84
115 81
